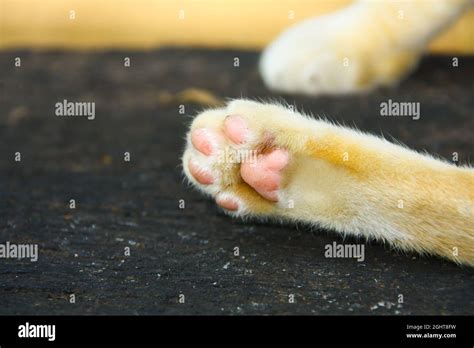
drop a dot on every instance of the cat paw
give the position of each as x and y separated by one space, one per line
233 156
349 51
267 160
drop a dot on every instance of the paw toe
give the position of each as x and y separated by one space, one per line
235 128
200 174
227 202
205 140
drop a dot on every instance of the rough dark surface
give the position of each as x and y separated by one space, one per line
190 251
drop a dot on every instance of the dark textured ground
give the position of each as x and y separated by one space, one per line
189 250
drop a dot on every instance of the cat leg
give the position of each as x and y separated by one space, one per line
266 161
363 46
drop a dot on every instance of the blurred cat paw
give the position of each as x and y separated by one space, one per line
350 51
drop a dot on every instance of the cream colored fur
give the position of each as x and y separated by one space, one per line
362 46
348 181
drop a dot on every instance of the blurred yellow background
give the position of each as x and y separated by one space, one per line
145 24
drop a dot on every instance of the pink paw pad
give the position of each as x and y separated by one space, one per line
201 175
235 128
204 140
227 202
264 175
